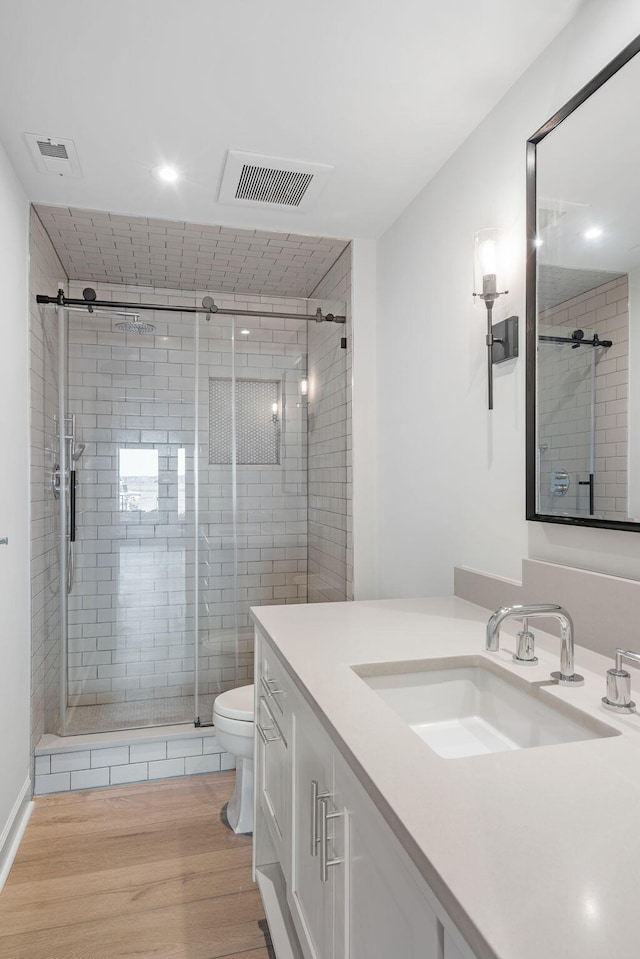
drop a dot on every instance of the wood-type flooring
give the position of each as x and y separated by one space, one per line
149 871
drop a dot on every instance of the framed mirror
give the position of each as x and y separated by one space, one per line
583 306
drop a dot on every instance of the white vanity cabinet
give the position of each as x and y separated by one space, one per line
315 892
335 881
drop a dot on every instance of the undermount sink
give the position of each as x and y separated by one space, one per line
468 707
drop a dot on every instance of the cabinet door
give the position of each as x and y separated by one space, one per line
311 898
274 775
386 913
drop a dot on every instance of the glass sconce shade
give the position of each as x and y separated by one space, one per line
488 265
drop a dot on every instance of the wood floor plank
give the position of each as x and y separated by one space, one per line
138 872
97 814
206 929
147 842
22 895
155 794
206 884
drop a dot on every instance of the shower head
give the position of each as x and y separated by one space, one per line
135 326
78 450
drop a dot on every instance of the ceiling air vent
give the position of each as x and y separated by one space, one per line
54 155
264 181
49 149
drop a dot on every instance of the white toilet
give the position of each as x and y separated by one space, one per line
233 720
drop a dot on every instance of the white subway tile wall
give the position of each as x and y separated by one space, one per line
564 403
60 771
45 273
330 516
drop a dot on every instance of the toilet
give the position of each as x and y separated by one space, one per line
233 720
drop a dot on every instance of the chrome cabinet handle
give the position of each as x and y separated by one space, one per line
269 684
325 815
266 685
315 796
262 732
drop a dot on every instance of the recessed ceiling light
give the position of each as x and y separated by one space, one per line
168 174
244 332
538 242
593 233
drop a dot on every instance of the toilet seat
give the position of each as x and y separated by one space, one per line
236 704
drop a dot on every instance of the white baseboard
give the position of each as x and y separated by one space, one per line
12 834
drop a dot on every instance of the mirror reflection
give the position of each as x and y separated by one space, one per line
587 432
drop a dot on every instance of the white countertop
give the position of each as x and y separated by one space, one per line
533 852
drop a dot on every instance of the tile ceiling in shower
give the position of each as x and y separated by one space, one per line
111 248
557 284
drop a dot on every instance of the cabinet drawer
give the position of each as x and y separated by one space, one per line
274 685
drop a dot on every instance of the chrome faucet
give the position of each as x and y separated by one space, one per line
525 654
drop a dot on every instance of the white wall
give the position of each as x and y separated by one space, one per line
365 458
14 495
451 474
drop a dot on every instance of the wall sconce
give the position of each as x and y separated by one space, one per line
501 339
304 386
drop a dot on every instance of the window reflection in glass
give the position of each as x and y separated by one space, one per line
138 475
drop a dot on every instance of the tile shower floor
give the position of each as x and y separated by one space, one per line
148 712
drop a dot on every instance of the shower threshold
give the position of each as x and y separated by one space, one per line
138 714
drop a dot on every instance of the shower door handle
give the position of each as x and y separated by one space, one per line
72 506
589 483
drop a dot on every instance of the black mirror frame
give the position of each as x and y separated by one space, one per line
531 309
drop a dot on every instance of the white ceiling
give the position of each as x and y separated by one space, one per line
174 255
384 92
587 176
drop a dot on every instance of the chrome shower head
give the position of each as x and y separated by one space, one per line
135 326
78 450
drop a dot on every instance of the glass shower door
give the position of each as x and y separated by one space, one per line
566 422
216 576
252 478
130 511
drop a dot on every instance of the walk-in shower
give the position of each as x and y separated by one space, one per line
181 464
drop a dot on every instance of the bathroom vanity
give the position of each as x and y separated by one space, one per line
511 839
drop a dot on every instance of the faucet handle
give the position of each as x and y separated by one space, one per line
618 697
525 654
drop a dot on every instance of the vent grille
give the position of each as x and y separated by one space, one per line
54 155
253 179
49 149
266 185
